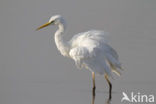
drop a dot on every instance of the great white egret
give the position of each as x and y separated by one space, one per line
89 50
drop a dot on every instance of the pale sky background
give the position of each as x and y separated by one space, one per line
32 71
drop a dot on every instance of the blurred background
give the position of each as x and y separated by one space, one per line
32 71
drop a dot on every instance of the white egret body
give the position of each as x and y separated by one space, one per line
89 50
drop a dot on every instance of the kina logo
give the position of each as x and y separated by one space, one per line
137 98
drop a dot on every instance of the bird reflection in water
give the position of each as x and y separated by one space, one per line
108 101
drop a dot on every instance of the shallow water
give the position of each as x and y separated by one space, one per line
71 90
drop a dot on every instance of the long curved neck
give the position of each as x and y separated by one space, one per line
62 45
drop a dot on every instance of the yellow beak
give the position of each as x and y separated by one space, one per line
45 25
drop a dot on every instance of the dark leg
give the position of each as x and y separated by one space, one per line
93 97
110 86
94 87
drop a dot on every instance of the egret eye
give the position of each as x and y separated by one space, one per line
52 22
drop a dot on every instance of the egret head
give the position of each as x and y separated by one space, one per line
54 20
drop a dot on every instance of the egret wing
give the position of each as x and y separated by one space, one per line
90 50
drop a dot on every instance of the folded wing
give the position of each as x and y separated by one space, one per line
91 50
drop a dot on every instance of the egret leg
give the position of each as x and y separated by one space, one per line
110 86
94 87
93 98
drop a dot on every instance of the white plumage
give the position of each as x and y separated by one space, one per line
90 50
